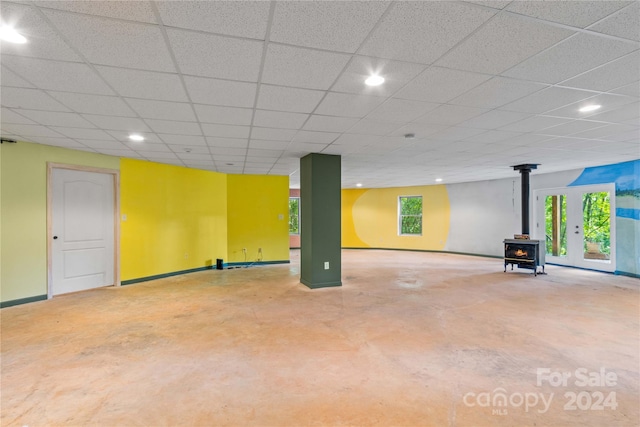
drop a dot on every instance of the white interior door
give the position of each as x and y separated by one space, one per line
82 230
578 225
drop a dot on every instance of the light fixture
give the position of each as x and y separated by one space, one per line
374 80
588 108
10 35
136 137
409 135
359 185
438 179
229 164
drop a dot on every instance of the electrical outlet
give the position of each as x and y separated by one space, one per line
326 265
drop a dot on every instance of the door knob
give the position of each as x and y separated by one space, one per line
55 237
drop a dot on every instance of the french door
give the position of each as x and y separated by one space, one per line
577 225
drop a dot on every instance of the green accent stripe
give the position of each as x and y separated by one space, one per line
624 273
235 264
430 251
22 301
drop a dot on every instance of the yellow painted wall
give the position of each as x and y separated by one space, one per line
23 213
370 218
176 218
258 209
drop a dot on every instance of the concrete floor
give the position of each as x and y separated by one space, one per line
410 339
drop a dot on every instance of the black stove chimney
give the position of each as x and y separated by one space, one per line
525 169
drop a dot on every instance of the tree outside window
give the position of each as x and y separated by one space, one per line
294 215
410 215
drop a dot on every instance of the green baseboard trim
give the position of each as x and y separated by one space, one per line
430 251
22 301
242 264
162 276
624 273
320 285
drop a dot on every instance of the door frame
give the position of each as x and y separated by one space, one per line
116 218
579 261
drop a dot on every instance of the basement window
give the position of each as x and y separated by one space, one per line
410 215
294 215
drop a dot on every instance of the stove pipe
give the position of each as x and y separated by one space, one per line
525 169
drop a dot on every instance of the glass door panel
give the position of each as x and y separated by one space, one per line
556 225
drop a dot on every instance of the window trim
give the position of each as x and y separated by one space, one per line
400 216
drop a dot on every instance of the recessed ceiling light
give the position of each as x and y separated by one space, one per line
358 185
229 164
10 35
438 179
588 108
136 137
374 80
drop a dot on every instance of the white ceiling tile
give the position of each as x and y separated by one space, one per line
148 147
374 127
29 130
497 92
144 84
547 99
338 26
421 130
162 110
235 18
573 56
625 23
277 119
108 42
456 133
94 104
273 134
315 137
229 158
221 92
502 43
288 99
401 110
631 90
131 124
83 133
348 105
494 119
272 154
61 142
300 67
225 131
228 151
43 40
223 115
607 101
56 75
354 140
577 14
395 73
618 73
156 155
103 145
9 116
534 124
218 143
329 124
606 131
268 145
493 136
173 127
120 153
56 118
440 85
11 79
628 112
215 56
572 127
139 10
423 31
123 136
181 140
307 146
450 114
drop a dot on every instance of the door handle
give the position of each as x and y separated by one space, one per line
55 237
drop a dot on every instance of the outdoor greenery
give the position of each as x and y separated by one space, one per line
596 208
411 215
562 220
294 215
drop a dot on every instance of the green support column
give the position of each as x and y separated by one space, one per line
320 204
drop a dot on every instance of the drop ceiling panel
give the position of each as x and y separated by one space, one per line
110 42
572 127
82 133
29 23
221 92
547 99
225 131
55 118
131 124
273 134
215 56
401 110
617 73
534 124
184 140
396 75
264 144
330 124
173 127
300 67
607 101
56 75
440 85
227 151
576 14
140 10
94 104
423 31
31 99
315 137
103 145
625 23
278 119
221 142
497 92
288 99
235 18
632 90
223 115
11 79
573 56
348 105
503 42
9 116
29 130
374 127
338 26
450 114
162 110
494 119
144 84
